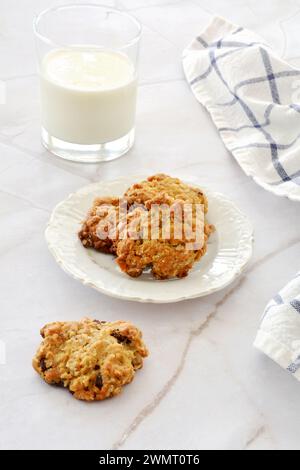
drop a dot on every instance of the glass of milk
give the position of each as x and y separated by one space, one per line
87 58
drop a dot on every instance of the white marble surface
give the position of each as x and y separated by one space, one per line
204 386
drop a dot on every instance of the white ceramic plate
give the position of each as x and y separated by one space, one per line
229 250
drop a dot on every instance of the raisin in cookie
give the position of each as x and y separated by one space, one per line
93 359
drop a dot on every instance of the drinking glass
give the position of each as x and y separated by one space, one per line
87 57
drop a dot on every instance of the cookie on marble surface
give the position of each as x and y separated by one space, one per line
93 359
102 217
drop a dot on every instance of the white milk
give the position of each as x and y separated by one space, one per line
88 95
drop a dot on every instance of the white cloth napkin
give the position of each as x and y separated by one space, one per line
251 95
279 333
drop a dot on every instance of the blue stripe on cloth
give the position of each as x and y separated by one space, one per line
295 177
296 107
241 45
202 42
205 74
262 145
239 30
252 81
278 299
276 163
202 76
294 366
273 147
270 76
223 44
296 304
264 124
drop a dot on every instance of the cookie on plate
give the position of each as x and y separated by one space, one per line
98 230
152 187
93 359
167 251
167 255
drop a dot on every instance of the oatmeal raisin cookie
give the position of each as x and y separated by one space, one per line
93 359
140 193
167 256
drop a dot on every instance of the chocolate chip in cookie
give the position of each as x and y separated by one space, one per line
43 365
99 381
120 338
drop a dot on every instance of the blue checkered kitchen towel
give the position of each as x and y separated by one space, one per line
252 96
279 333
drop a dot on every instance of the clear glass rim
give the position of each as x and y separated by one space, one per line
69 6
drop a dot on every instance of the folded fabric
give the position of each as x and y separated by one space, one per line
251 95
279 332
